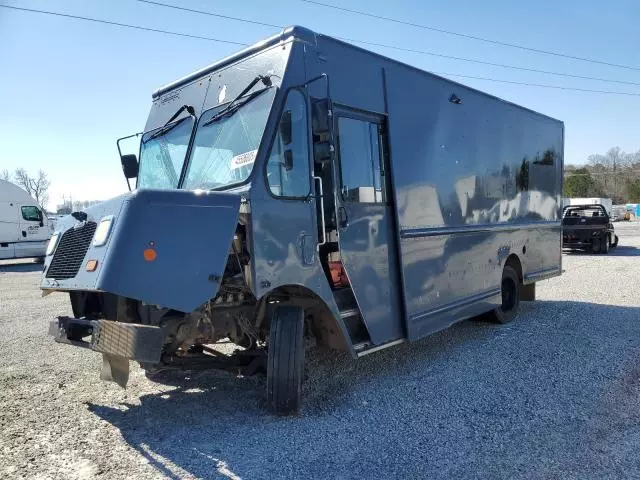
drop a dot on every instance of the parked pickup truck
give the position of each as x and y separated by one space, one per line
587 227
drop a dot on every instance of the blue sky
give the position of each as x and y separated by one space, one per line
69 89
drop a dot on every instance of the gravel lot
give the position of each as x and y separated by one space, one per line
552 395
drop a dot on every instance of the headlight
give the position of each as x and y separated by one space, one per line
53 243
102 232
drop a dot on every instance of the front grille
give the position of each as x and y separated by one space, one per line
71 251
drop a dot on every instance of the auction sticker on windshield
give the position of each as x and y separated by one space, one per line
243 159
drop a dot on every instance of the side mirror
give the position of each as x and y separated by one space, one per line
322 152
288 160
320 113
286 128
129 166
41 218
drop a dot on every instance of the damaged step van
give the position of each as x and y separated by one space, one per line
302 192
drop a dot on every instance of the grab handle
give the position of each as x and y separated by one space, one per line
322 223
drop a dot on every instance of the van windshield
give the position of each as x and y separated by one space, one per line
225 149
162 153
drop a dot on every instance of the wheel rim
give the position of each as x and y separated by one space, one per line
509 296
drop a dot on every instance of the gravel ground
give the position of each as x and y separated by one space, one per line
552 395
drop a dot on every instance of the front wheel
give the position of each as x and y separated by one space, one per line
285 363
510 289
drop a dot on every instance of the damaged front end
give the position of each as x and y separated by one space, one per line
167 276
117 341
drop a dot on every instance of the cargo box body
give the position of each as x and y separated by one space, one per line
472 180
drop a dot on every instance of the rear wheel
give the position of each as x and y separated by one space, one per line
510 289
285 364
595 245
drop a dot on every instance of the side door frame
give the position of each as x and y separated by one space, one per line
24 223
377 266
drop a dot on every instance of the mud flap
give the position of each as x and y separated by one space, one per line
115 369
528 292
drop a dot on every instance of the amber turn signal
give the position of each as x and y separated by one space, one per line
150 254
92 265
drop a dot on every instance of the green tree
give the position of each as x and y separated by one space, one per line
633 191
580 183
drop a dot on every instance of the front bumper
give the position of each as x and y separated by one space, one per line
117 341
142 343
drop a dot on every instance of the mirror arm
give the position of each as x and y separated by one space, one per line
125 138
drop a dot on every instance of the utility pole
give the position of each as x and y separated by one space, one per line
615 183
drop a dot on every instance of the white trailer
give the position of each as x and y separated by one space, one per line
605 202
24 226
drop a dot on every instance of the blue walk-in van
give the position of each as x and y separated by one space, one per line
305 191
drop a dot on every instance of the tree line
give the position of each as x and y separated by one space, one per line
615 175
69 205
37 186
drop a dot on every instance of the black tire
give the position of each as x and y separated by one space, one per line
595 245
510 287
285 362
604 248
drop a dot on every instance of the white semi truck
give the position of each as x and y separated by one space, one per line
24 226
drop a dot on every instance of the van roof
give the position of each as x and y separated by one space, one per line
10 192
293 31
309 36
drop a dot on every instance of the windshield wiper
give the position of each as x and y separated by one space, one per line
234 106
167 128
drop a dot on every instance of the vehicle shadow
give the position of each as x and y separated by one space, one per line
213 424
25 266
619 251
624 251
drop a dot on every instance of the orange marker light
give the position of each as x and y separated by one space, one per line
149 254
92 265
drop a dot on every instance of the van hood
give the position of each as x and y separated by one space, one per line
165 247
